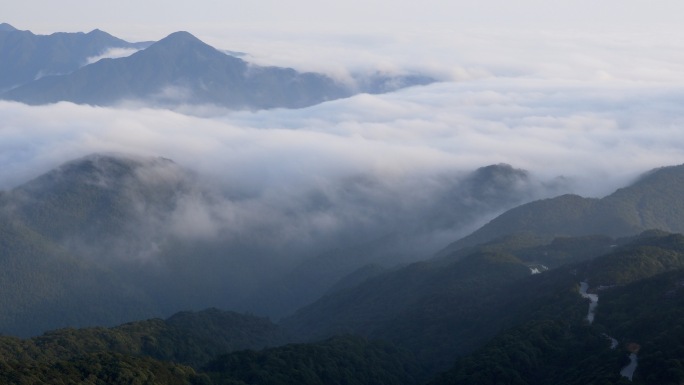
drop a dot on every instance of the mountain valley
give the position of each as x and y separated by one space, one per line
461 303
176 213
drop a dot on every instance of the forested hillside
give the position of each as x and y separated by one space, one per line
109 238
442 310
649 203
638 312
491 320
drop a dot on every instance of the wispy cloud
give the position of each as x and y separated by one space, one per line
597 110
283 185
112 53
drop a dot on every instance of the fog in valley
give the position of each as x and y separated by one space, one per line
346 192
272 207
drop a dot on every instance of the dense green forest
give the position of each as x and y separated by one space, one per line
498 322
640 307
336 361
446 307
120 356
192 338
307 250
505 310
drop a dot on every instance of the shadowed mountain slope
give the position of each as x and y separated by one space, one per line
639 312
459 202
154 351
652 202
114 238
442 311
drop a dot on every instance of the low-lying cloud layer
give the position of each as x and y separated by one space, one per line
549 127
610 112
112 53
583 114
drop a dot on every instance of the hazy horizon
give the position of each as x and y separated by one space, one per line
589 97
585 97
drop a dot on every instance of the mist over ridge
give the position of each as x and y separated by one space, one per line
158 237
280 196
413 193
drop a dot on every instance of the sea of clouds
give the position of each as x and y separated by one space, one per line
596 109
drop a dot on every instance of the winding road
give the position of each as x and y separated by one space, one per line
627 371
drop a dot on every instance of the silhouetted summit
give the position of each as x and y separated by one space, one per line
26 57
181 69
4 27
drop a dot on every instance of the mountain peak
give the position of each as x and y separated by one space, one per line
178 69
4 27
500 171
98 32
180 43
94 168
181 37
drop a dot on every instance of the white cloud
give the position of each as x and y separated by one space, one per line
112 53
591 91
550 127
597 109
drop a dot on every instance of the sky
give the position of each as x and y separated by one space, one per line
72 15
588 91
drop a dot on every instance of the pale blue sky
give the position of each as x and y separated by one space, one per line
46 16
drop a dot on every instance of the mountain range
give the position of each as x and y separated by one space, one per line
649 203
148 237
111 238
26 57
177 70
502 323
113 267
99 241
448 306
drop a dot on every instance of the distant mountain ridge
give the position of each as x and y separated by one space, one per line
179 69
4 27
25 57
